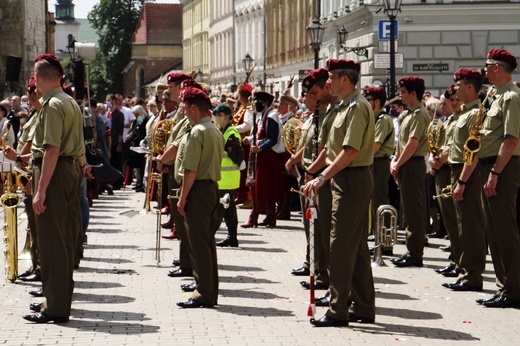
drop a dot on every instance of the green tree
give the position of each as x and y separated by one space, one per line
115 22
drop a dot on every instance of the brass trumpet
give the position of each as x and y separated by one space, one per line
445 193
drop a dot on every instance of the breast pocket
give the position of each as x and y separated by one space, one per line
494 119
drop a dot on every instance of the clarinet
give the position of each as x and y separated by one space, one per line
316 120
251 167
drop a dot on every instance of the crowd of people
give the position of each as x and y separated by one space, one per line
350 151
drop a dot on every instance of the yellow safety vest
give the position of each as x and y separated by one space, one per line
229 171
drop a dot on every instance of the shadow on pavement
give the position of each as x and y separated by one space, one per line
111 246
378 280
263 249
244 280
409 331
240 268
408 314
396 296
103 322
101 298
95 284
253 311
107 271
247 293
108 260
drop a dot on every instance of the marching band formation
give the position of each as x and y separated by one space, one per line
345 152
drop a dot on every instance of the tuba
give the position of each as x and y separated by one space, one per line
10 200
291 134
386 233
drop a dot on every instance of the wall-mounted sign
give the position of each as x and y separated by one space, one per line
431 67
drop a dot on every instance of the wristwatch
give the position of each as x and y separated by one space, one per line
321 177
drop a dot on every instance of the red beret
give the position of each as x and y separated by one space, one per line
343 64
191 83
245 87
51 59
31 86
313 77
190 93
376 92
177 77
410 81
450 91
502 55
466 73
263 96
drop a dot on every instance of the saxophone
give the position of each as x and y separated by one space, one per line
10 200
473 143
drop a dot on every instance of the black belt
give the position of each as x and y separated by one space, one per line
456 165
39 160
416 158
348 168
381 158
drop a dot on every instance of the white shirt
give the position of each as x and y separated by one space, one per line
129 117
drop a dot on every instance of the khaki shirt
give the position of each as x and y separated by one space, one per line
28 132
332 111
447 131
384 134
307 139
60 124
176 134
502 119
415 124
353 127
461 131
177 115
203 151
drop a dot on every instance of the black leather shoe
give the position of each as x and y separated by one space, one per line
393 260
27 273
228 242
192 303
36 307
37 293
488 300
301 271
502 302
327 321
176 262
317 285
355 318
464 287
446 248
43 318
189 287
452 274
31 278
323 300
180 272
445 269
408 262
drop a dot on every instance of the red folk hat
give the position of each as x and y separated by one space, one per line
502 55
466 73
375 92
245 87
177 77
51 59
411 81
191 93
343 64
313 77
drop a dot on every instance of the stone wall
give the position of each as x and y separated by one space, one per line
23 32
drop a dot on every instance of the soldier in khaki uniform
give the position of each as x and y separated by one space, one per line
499 158
383 148
349 154
199 158
466 186
441 170
57 143
409 167
318 90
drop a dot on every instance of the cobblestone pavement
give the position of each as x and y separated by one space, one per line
123 297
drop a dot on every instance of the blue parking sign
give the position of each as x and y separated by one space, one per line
384 30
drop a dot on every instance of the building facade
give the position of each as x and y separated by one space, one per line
156 47
67 27
222 39
26 30
196 46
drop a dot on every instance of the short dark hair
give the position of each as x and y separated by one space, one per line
477 84
46 70
202 105
419 89
352 75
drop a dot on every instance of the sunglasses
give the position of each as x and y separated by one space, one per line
493 63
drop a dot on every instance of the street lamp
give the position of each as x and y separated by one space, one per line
342 39
247 62
392 8
315 32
